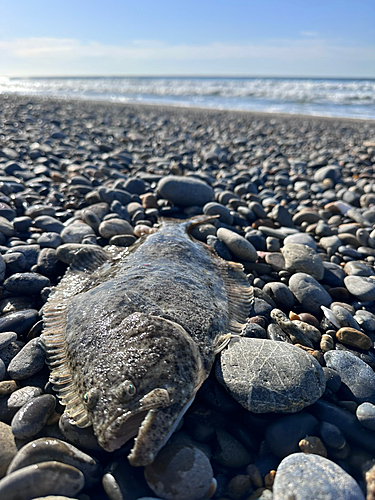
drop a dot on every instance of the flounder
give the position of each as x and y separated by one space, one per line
131 337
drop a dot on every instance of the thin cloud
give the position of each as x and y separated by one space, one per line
25 56
309 33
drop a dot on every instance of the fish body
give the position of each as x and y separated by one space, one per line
131 338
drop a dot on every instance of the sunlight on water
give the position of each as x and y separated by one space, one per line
325 97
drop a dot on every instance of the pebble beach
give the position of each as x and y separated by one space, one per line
288 411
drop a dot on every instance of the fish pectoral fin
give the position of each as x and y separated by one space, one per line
88 259
222 342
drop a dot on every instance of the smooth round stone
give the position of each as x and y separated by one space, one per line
26 283
310 294
6 227
354 268
81 437
353 337
354 373
49 240
45 478
275 260
15 262
333 379
23 395
237 244
330 243
280 293
281 215
333 274
249 371
48 263
32 417
185 191
283 435
48 449
180 473
300 239
28 361
302 258
8 447
48 224
30 252
10 351
22 224
366 415
19 322
114 227
214 208
314 477
123 240
306 216
3 369
361 287
343 316
332 436
76 232
365 320
230 452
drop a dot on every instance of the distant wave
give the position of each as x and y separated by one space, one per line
329 97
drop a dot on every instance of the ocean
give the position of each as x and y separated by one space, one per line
350 98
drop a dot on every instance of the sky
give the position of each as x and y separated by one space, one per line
327 38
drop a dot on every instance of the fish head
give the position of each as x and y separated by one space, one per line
154 379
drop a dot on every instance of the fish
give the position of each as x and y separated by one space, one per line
131 335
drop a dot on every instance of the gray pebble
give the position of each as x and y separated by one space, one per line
28 361
15 262
302 258
300 239
354 373
74 233
45 478
281 294
237 244
80 437
48 224
8 447
332 436
309 292
283 435
26 283
6 338
343 317
365 319
114 227
186 191
49 240
214 208
164 475
366 415
48 449
32 417
23 395
229 451
248 370
361 287
19 322
315 477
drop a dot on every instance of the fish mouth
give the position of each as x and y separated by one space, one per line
126 424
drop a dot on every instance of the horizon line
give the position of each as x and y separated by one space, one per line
286 77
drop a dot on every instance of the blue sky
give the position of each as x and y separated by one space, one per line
164 37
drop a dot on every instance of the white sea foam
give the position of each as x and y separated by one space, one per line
326 97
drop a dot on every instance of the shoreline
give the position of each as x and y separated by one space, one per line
165 107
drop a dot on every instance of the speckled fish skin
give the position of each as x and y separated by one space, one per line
130 343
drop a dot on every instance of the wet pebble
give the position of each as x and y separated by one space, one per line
48 449
114 227
332 436
361 287
19 322
32 417
45 478
8 447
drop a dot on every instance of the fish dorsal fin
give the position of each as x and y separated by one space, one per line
240 295
89 259
53 337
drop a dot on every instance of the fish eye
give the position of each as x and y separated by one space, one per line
125 391
91 398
